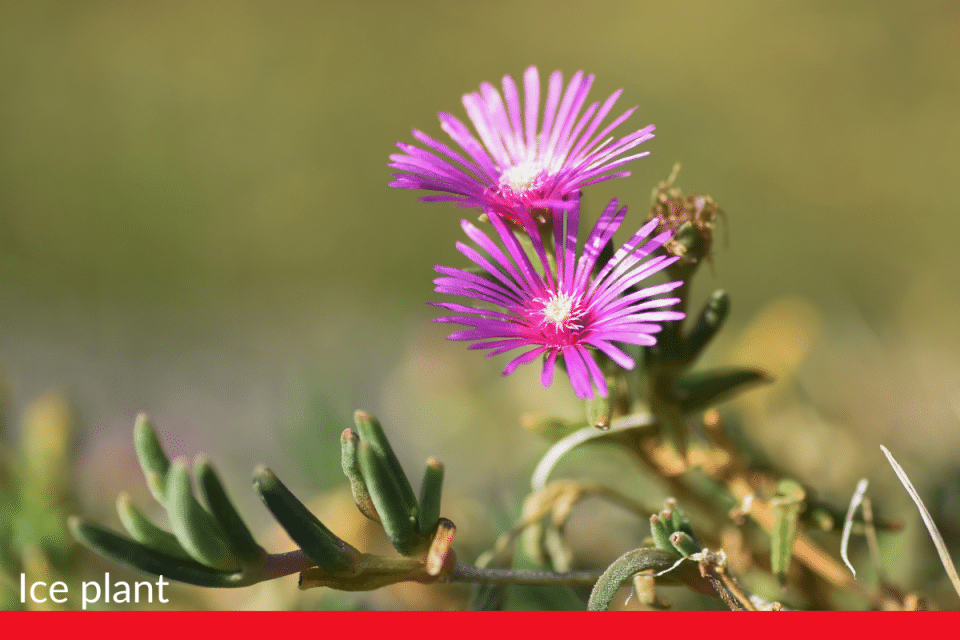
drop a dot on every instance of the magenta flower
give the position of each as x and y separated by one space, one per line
520 163
565 310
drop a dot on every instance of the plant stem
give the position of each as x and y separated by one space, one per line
468 573
278 565
284 564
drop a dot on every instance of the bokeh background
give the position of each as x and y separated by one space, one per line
195 222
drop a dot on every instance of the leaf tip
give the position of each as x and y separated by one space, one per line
262 475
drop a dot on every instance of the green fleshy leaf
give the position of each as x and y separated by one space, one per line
787 505
673 515
599 409
430 493
699 390
660 533
234 529
332 555
623 568
195 529
370 430
399 522
671 419
153 460
157 485
146 532
349 442
140 557
685 544
708 323
679 522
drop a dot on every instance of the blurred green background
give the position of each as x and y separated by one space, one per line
195 222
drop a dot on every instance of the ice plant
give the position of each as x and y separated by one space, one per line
520 164
563 310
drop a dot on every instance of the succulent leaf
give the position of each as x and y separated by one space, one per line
195 529
370 430
430 495
153 460
234 529
332 555
140 557
399 522
146 532
698 390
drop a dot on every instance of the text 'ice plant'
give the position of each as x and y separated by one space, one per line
565 310
520 163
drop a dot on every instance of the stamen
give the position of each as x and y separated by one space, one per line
559 312
522 178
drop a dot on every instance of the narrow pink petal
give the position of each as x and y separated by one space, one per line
550 110
513 107
614 352
475 106
491 248
524 358
474 256
436 145
460 308
509 291
519 256
533 233
563 149
601 114
573 100
614 286
462 136
577 372
598 380
606 130
546 376
602 232
531 97
626 249
618 308
501 346
497 116
566 229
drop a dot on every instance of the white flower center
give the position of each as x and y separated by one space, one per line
559 311
522 177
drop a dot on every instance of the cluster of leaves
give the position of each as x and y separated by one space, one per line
210 545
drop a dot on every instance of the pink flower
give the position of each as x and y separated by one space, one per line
519 163
564 311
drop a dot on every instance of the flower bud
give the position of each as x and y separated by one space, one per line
691 218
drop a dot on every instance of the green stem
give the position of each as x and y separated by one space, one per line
468 573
